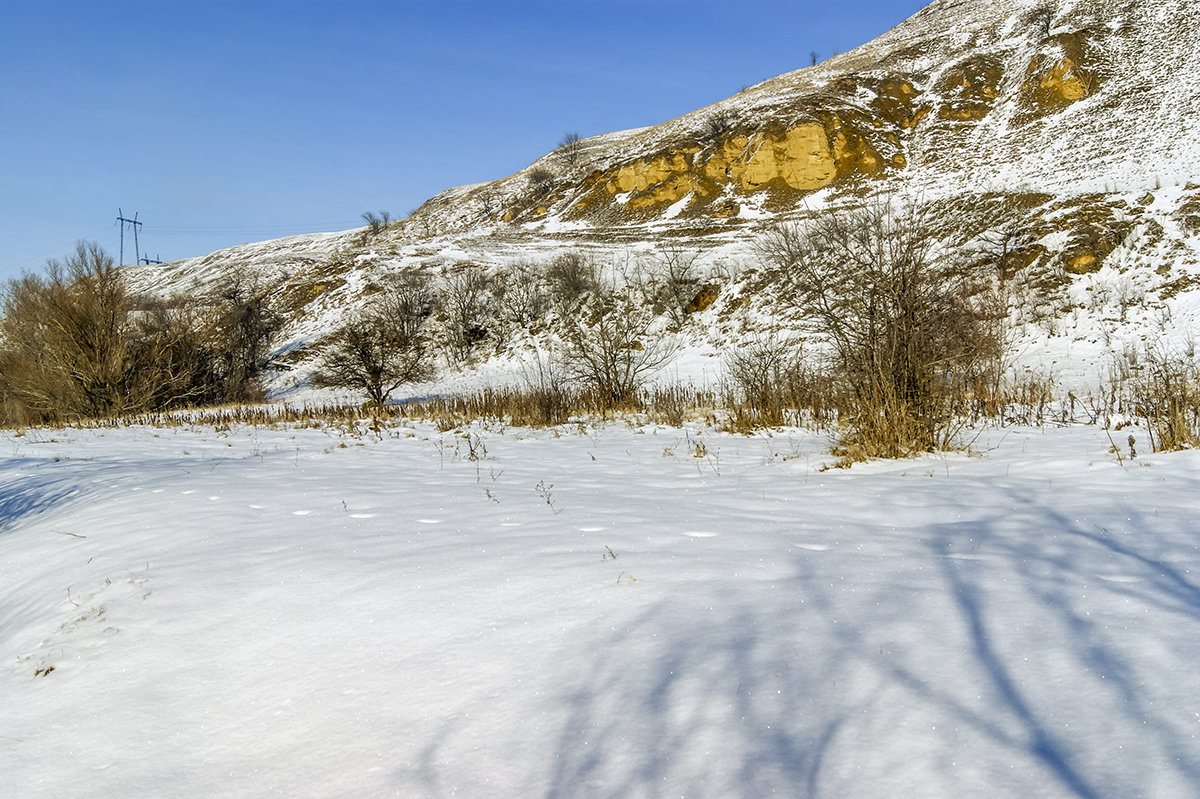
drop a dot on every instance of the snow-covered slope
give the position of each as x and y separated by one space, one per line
1075 123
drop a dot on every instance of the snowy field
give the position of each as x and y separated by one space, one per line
610 612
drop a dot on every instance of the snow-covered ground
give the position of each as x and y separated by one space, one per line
609 612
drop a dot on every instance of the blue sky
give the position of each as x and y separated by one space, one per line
225 122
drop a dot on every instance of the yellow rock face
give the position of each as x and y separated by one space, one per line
801 158
1082 263
970 89
1047 90
641 175
1065 82
670 191
856 156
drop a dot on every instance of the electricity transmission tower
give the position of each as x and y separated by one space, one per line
135 224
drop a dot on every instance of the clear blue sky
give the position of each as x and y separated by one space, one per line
224 122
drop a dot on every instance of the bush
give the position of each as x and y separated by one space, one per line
771 386
570 149
243 322
541 182
376 223
1166 394
77 345
68 341
569 277
609 350
467 308
897 311
520 296
673 280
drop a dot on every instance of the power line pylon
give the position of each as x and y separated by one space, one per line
135 224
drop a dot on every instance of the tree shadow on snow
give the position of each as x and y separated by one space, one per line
1030 667
29 496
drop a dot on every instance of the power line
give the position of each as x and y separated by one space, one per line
58 249
199 230
184 230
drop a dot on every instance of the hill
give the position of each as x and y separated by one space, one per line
1057 137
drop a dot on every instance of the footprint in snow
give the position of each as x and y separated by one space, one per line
699 534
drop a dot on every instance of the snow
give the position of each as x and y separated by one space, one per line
411 612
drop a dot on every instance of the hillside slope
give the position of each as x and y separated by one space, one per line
1065 132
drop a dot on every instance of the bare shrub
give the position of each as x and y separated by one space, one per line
609 349
382 347
570 276
244 320
1166 393
1042 21
771 385
541 182
898 311
673 280
466 306
520 295
377 223
716 125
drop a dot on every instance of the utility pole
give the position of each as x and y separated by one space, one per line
134 223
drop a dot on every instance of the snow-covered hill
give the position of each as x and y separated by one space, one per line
1068 128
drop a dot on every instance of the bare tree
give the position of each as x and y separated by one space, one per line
570 149
377 223
1042 21
520 295
175 354
67 338
382 347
